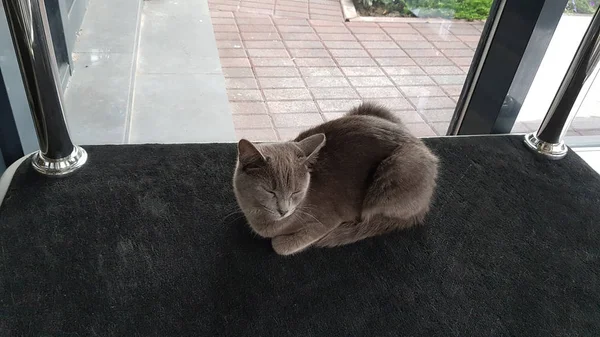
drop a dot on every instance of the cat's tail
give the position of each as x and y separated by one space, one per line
373 109
350 232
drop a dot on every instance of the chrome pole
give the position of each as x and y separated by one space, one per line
28 23
548 140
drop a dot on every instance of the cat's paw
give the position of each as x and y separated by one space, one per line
283 245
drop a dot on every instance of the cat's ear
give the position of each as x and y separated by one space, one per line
249 156
311 146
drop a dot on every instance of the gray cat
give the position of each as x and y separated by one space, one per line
345 180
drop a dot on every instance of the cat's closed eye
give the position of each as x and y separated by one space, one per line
269 191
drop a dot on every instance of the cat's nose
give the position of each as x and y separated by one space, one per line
282 211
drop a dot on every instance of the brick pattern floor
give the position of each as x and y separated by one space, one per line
292 64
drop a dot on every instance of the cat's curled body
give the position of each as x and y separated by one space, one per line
345 180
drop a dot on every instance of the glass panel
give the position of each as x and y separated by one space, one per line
561 50
179 72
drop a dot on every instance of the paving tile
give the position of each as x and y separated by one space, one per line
362 71
440 128
379 81
257 135
327 17
290 22
423 52
453 90
251 121
314 62
342 44
404 70
254 20
372 37
590 132
224 53
415 44
237 72
276 107
408 116
464 31
332 29
301 10
394 61
299 37
320 71
394 104
248 108
286 94
272 62
433 61
276 71
264 44
366 30
469 38
412 80
229 44
304 44
438 115
401 30
296 120
349 53
421 130
586 123
441 37
428 102
221 15
448 79
280 82
306 52
244 95
442 70
329 116
422 91
458 52
235 62
286 134
396 52
292 14
450 45
383 92
225 28
326 82
355 61
461 61
333 93
267 53
520 127
228 36
257 28
317 12
338 105
259 36
407 37
379 44
240 83
336 37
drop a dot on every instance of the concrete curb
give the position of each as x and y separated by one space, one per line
351 15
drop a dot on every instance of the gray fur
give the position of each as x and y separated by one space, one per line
345 180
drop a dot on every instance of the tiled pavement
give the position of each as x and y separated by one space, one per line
290 64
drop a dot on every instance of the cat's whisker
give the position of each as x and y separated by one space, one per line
239 214
313 217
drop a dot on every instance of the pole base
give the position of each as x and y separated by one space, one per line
553 151
62 166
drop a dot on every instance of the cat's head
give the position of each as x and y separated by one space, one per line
271 180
